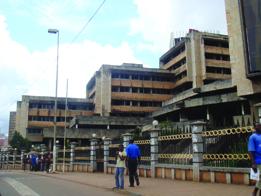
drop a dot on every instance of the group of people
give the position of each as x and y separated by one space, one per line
37 162
130 158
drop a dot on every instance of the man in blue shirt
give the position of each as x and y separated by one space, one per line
254 149
133 158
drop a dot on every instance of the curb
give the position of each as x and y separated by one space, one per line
123 192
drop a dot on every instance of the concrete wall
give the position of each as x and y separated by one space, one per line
106 91
22 117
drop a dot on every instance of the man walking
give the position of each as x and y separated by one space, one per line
133 158
120 167
254 149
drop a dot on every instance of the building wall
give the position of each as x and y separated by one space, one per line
35 113
105 91
206 60
12 119
22 117
244 85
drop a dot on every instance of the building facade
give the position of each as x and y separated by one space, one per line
34 113
129 90
197 59
12 120
243 21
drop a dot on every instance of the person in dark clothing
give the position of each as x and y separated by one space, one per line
133 159
48 162
25 160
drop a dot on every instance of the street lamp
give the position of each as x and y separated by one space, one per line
55 31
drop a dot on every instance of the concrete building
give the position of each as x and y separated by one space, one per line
243 21
197 59
34 113
12 120
202 82
129 90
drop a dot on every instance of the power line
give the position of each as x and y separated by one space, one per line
86 24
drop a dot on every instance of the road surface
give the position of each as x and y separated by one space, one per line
25 184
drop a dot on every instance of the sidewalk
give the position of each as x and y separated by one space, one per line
154 187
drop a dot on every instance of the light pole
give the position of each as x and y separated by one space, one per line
65 125
55 31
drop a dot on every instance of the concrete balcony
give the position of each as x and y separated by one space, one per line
180 69
217 63
216 76
133 109
139 96
44 124
142 83
174 60
216 50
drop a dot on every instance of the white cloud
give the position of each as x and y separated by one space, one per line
33 73
157 19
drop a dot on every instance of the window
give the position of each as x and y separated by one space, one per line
34 131
218 70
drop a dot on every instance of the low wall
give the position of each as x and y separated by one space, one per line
76 167
185 172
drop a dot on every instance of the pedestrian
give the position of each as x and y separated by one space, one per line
254 149
25 160
133 159
120 167
48 162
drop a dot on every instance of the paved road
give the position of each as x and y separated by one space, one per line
25 184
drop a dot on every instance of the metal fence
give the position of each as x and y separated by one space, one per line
175 145
227 147
82 154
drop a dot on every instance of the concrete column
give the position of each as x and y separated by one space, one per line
7 159
107 142
154 151
14 157
1 155
93 155
126 139
21 158
72 154
197 146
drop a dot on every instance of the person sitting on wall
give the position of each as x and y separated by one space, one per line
254 149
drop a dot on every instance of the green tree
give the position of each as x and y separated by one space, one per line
19 142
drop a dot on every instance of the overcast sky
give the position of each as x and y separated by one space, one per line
134 31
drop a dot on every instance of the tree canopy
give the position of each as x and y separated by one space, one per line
19 142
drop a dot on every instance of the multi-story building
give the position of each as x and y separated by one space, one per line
197 59
12 120
203 87
244 22
34 113
129 89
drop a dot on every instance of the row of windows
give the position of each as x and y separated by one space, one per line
180 76
173 55
140 90
221 57
136 103
216 43
218 70
61 106
178 64
49 118
34 131
140 77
